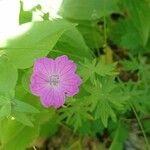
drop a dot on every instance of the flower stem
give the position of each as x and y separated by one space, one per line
34 148
141 126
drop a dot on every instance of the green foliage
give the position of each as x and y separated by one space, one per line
76 112
132 31
88 70
17 133
24 16
120 136
8 75
37 42
75 48
91 10
107 96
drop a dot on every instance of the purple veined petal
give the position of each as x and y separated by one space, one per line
44 66
38 84
70 84
70 67
61 62
53 98
70 90
64 65
71 79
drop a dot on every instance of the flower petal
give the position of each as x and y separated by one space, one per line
53 98
64 65
38 84
44 66
71 84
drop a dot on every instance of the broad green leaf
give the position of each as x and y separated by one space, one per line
92 35
133 31
26 80
15 136
3 100
72 44
37 42
87 9
22 118
8 75
5 110
139 11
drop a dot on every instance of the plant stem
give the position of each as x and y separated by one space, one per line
105 28
105 32
141 126
34 148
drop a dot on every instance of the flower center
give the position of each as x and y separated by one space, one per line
54 80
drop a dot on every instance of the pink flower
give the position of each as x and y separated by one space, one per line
53 80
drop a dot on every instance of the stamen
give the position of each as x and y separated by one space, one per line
54 80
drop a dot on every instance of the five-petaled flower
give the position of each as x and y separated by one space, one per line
53 80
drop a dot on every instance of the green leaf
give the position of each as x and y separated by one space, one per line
139 11
120 136
8 75
22 117
106 69
104 111
87 9
3 100
15 136
26 80
133 31
5 110
24 16
106 99
92 35
72 43
37 42
88 69
76 112
21 106
131 65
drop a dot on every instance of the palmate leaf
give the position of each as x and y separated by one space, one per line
107 97
87 70
37 42
76 112
104 111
